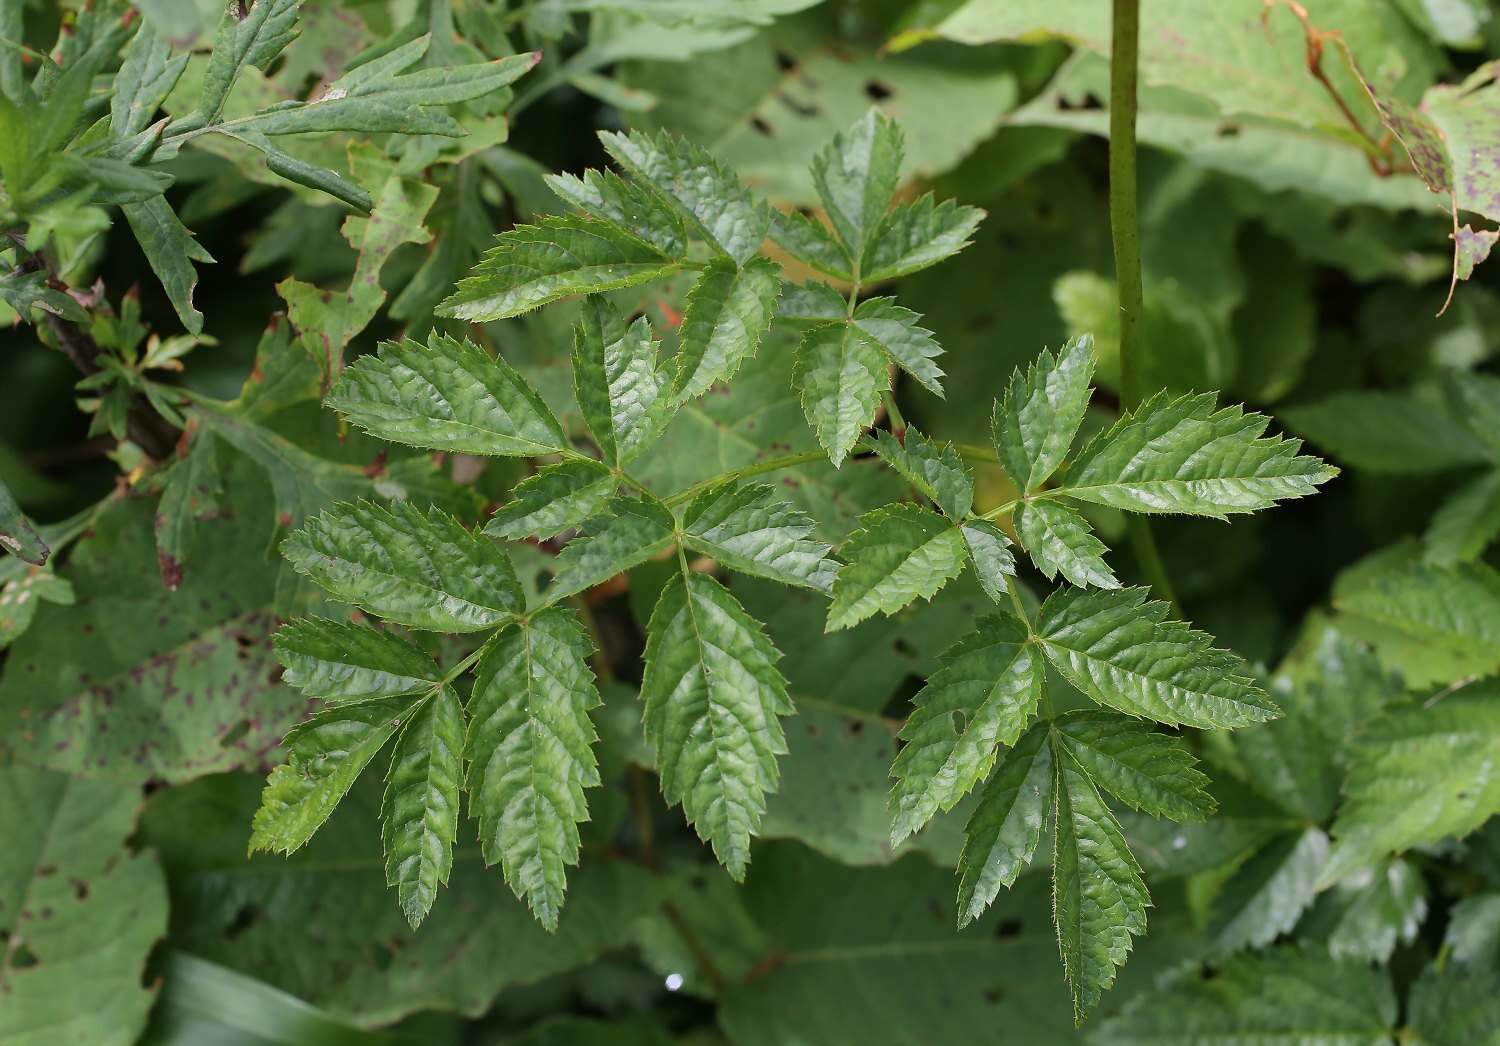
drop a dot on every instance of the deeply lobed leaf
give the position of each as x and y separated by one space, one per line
713 699
560 256
448 395
419 569
530 754
1185 456
1124 652
981 697
900 553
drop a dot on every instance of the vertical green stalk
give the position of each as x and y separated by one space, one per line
1125 233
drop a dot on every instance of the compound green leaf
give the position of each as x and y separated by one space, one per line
530 754
706 193
344 661
1281 997
1420 773
839 375
419 569
620 390
713 699
447 395
634 208
990 552
1060 541
146 77
900 553
1185 456
1099 900
1125 652
856 175
728 310
751 528
934 469
324 757
562 255
1035 423
419 812
983 696
915 235
557 498
895 330
1142 767
1005 829
1267 894
634 530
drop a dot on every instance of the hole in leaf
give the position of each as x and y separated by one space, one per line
80 889
785 62
877 91
762 126
959 721
1228 129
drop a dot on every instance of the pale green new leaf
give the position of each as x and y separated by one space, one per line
900 553
1184 455
1466 523
1005 829
706 193
557 498
419 569
635 530
728 311
914 235
981 697
1125 652
934 469
990 552
344 661
1034 425
753 529
619 388
1142 767
632 207
1267 894
1420 773
325 755
895 330
419 812
530 754
562 255
856 175
713 699
447 395
1282 997
1060 541
1099 900
839 375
